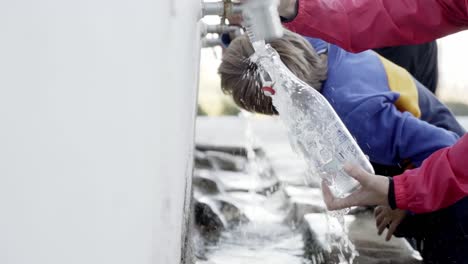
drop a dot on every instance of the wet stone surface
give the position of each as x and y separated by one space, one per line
262 208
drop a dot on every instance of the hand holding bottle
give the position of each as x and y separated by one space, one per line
373 190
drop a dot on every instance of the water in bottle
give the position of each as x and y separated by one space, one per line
315 130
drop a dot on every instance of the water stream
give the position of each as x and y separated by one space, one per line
259 243
265 238
346 248
307 119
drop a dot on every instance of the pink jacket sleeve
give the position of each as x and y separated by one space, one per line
358 25
441 180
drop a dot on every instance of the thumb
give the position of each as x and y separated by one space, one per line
327 195
358 173
334 203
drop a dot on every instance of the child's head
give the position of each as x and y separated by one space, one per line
239 76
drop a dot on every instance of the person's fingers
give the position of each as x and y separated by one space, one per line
327 195
357 173
398 217
331 201
334 203
383 225
393 226
379 219
378 210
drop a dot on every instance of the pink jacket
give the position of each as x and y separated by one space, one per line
358 25
441 180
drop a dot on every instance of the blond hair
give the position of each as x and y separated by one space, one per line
240 78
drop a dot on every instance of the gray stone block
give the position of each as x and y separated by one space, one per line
204 182
245 182
209 221
372 248
303 201
225 161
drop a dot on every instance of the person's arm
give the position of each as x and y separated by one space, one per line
389 136
441 181
360 25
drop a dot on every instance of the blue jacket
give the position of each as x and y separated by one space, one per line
393 117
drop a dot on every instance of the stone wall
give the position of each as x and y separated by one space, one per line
97 108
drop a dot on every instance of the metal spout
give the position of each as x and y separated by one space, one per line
211 42
219 29
261 18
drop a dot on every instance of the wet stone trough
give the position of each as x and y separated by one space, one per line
253 204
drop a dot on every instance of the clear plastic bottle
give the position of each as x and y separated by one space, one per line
315 130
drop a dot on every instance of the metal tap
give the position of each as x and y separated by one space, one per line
209 40
219 29
261 17
224 8
262 20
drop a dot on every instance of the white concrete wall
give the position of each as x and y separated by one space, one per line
97 101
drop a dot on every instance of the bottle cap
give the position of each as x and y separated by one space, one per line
268 90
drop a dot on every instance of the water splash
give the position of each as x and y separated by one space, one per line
259 244
249 143
341 239
265 238
316 133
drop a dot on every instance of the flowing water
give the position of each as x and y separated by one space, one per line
259 243
268 237
320 149
265 238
